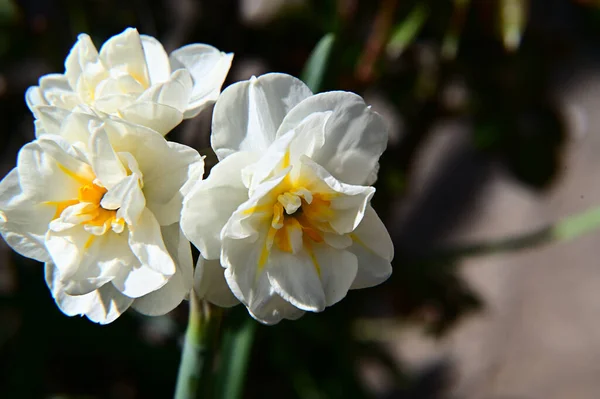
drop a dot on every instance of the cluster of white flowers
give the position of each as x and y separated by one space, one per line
283 222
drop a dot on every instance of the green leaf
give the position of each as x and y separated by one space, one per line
235 353
457 22
577 225
316 66
513 19
406 31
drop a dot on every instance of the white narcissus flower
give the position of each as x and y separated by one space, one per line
286 210
99 202
132 77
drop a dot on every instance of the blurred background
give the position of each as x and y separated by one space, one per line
493 109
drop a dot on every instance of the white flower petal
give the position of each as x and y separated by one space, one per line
127 197
348 204
157 158
295 277
103 259
114 103
73 127
173 173
338 241
107 165
71 305
354 136
274 310
170 212
82 55
34 98
374 249
157 60
250 217
23 224
210 283
271 162
175 92
208 68
125 51
138 281
50 119
47 179
108 305
179 285
146 242
245 276
71 217
159 117
337 271
58 92
247 114
211 202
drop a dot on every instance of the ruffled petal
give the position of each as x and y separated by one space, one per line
124 51
101 259
50 120
146 242
34 98
82 58
337 270
348 202
107 305
165 195
354 136
275 309
295 277
208 68
48 173
179 285
374 249
174 92
107 165
158 117
210 203
210 283
128 198
157 60
23 224
247 115
58 92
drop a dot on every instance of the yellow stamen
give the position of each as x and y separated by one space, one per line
91 193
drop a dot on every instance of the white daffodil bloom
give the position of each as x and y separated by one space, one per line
99 202
286 210
132 77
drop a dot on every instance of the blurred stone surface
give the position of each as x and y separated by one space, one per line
259 12
539 334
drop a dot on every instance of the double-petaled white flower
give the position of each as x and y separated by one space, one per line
99 201
286 210
133 78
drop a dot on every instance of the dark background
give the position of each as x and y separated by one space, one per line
502 92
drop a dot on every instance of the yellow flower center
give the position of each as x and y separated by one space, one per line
298 219
91 194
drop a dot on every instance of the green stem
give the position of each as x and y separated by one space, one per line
235 356
196 355
566 229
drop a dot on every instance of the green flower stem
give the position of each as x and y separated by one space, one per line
196 358
566 229
235 356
